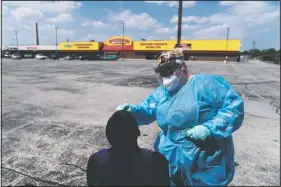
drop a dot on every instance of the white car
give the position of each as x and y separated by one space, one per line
41 57
16 57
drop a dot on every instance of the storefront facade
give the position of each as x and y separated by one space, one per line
118 45
124 47
193 49
79 48
31 49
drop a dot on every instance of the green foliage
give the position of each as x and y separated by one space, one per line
257 52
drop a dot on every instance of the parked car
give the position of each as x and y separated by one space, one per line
102 57
89 57
54 57
41 57
70 57
111 57
28 56
7 56
16 57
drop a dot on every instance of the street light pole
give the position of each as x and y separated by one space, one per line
179 23
123 41
227 35
17 43
56 29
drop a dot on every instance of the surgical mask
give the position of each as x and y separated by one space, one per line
171 83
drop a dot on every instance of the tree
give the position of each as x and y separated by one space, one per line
143 39
254 52
245 52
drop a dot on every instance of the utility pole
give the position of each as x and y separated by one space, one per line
227 35
56 29
17 43
179 23
254 44
123 40
37 34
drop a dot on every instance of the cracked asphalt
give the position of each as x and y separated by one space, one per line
54 115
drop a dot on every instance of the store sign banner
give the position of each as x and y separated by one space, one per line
119 40
31 48
154 45
80 46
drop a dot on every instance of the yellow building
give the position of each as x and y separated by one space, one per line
127 48
213 45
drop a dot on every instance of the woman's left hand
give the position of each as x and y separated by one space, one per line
199 132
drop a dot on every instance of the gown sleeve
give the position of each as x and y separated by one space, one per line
229 106
93 178
146 112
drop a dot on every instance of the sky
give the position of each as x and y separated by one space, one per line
248 21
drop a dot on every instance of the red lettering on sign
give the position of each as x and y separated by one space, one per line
119 41
31 47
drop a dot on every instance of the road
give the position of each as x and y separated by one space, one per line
55 112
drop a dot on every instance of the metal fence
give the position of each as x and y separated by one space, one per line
275 59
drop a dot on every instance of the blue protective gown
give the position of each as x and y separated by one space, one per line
204 100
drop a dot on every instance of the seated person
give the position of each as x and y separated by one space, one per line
125 164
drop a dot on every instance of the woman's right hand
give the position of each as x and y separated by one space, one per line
127 107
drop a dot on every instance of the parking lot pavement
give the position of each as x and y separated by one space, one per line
54 116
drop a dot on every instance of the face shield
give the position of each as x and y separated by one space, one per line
167 69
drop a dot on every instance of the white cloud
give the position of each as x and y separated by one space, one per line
96 37
212 32
185 4
195 19
24 15
188 27
141 21
168 30
164 30
46 6
99 24
86 23
5 10
66 32
240 17
227 3
96 24
263 30
247 14
27 14
61 18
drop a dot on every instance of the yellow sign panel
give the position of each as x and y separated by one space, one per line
192 45
80 46
154 45
213 45
119 40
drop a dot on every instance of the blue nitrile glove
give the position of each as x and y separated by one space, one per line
199 132
128 107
